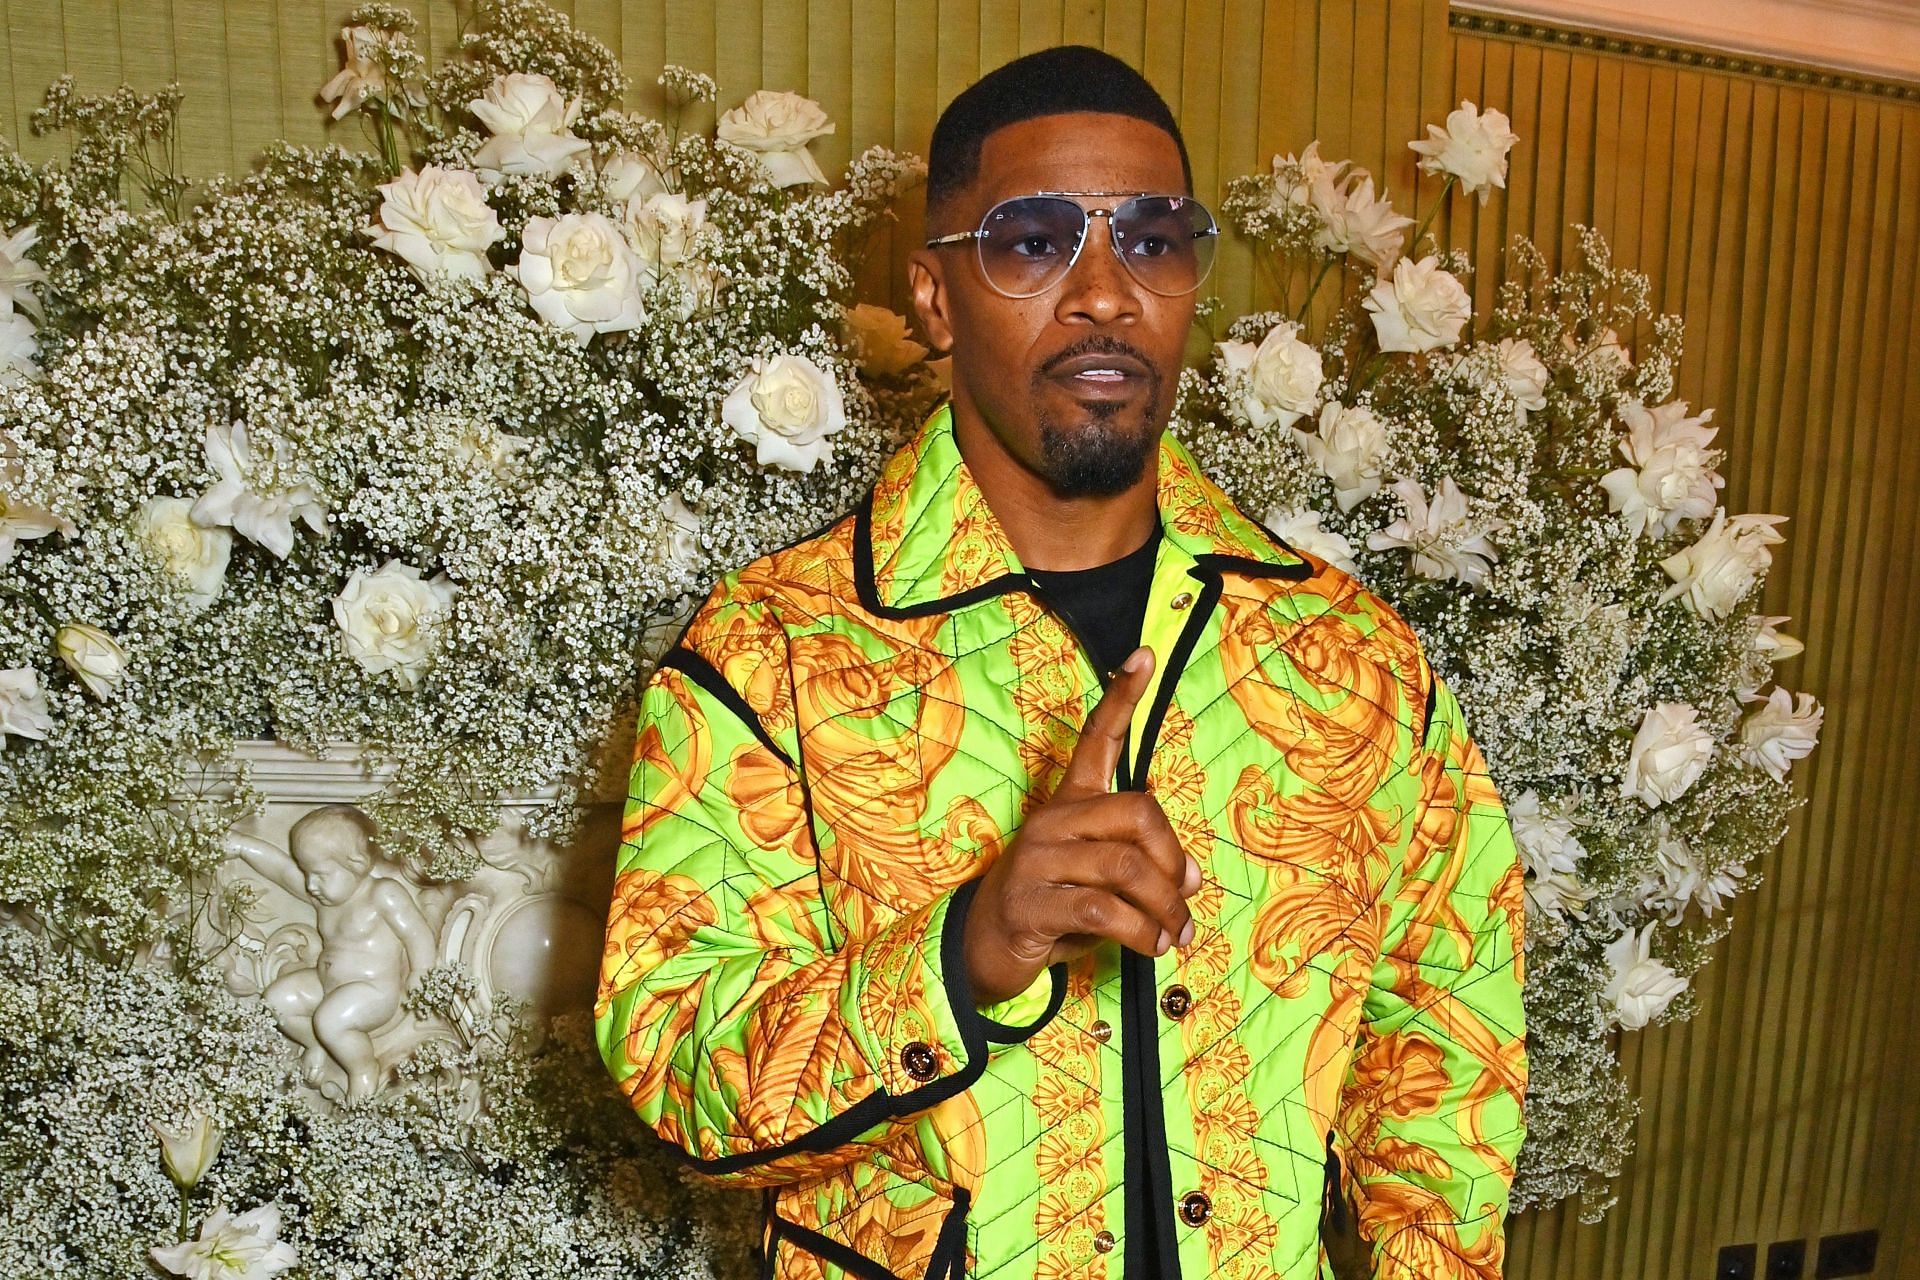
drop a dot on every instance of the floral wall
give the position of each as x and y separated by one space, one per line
1774 212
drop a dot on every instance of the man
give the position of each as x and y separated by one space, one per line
993 945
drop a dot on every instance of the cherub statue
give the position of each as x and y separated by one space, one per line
374 941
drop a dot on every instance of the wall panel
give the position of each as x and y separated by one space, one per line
1780 215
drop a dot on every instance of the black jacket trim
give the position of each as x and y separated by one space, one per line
1298 571
1176 666
868 591
948 1261
708 677
879 1106
960 991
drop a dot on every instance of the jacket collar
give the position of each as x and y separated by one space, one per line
926 541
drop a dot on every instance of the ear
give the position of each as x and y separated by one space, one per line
930 301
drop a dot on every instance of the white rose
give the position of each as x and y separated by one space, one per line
197 553
1784 728
530 122
1640 986
581 274
777 127
1295 177
662 227
1605 352
1281 376
1302 531
1549 854
19 348
20 519
1442 541
1671 476
788 409
362 75
23 704
696 288
1472 148
629 176
881 341
19 273
439 221
1670 751
1772 643
92 655
481 444
1715 573
1354 222
1525 377
1420 308
249 492
1678 877
391 620
1349 449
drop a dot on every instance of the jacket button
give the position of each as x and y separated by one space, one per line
1195 1208
1176 1001
1181 601
1103 1241
919 1060
1101 1031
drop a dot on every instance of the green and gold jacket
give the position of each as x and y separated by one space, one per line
846 733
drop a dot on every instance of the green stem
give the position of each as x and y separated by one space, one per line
183 1214
1314 288
1431 211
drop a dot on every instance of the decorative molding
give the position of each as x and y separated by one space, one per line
1859 46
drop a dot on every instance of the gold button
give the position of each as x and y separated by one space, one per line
1103 1241
1182 600
1101 1031
1195 1208
1176 1002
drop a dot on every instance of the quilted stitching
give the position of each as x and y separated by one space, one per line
843 746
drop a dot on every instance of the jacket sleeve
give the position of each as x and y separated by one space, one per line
745 1032
1431 1114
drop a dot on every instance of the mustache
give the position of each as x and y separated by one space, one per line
1099 344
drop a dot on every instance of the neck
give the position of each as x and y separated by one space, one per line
1049 530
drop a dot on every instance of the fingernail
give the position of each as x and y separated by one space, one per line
1186 934
1136 661
1193 874
1160 946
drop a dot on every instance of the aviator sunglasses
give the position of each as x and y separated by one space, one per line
1029 243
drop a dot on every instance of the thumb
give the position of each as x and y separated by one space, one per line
1104 736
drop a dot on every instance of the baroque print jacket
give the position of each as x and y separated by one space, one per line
850 728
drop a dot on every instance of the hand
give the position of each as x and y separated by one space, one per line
1089 864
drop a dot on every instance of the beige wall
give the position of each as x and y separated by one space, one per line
1781 217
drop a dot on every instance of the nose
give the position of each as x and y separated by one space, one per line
1098 287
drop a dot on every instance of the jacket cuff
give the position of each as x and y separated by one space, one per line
915 1011
1007 1022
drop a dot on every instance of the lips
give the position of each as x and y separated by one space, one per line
1100 367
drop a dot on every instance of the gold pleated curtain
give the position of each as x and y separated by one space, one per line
1778 211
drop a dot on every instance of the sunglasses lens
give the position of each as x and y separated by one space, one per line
1167 242
1029 243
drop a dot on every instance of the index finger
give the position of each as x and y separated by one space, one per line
1104 736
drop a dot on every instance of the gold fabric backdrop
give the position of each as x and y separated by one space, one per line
1779 213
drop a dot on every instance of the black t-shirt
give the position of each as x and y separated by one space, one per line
1106 604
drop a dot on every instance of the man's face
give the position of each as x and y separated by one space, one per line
1078 382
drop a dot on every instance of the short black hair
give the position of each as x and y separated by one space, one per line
1068 77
